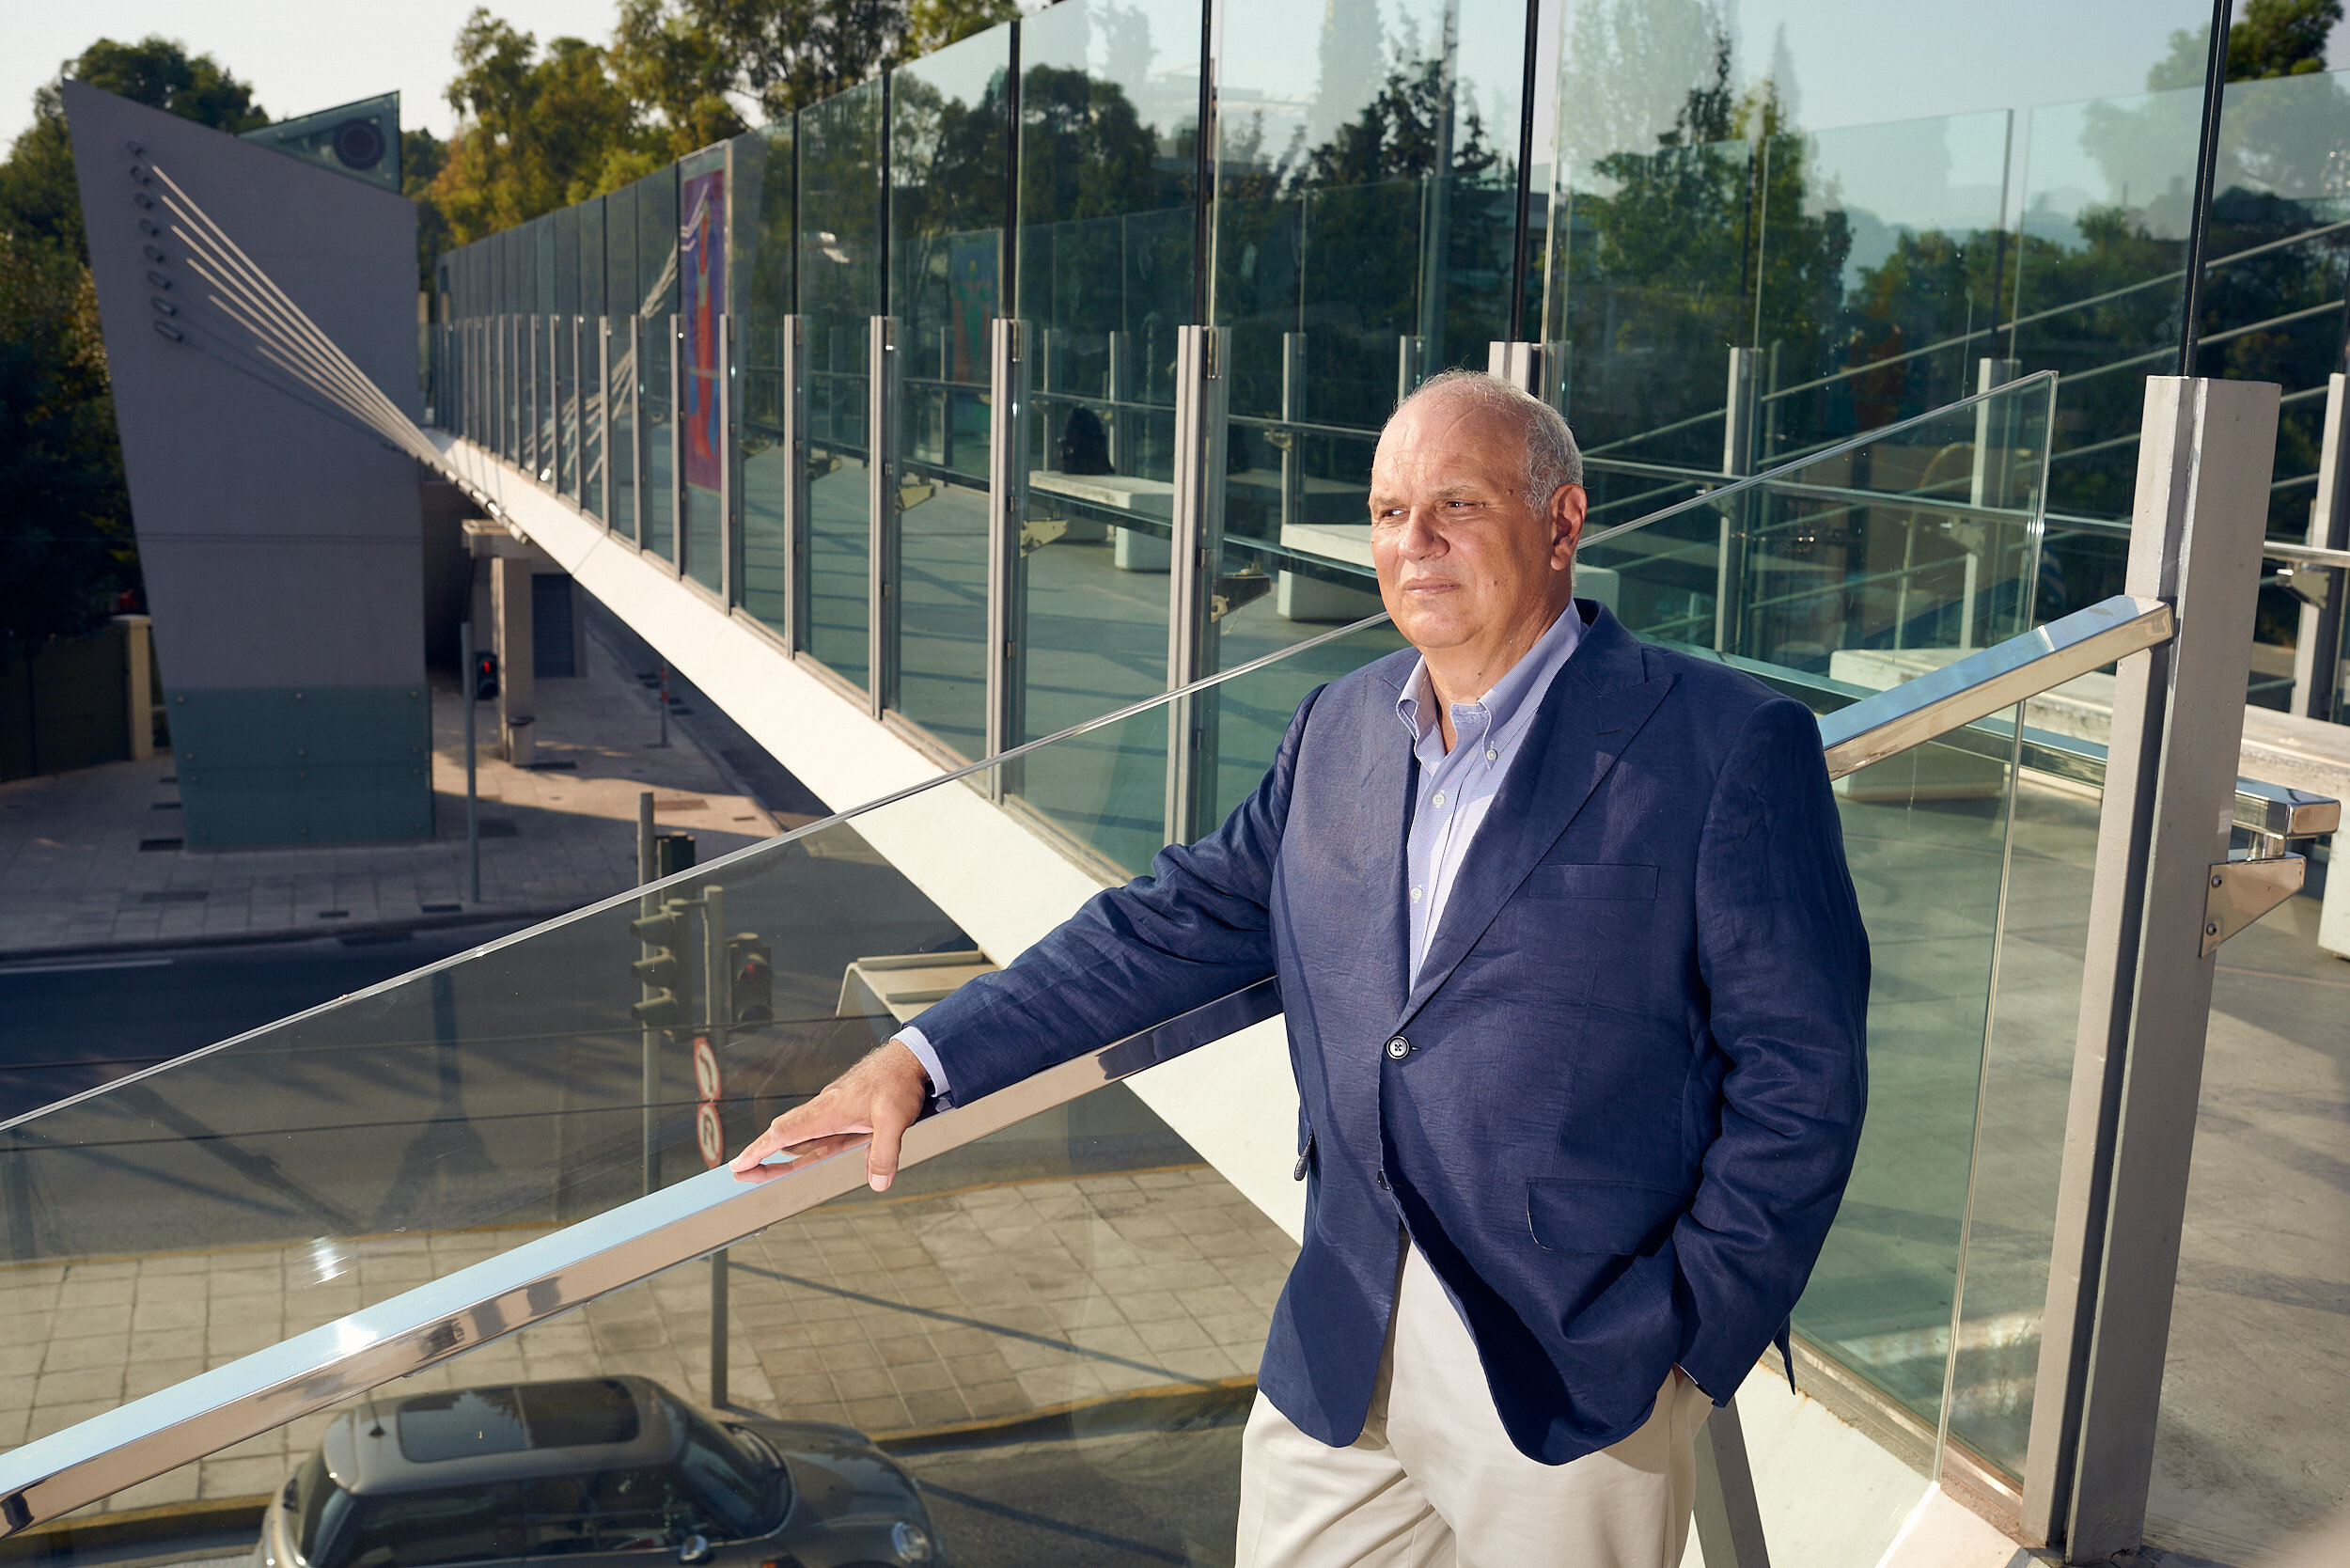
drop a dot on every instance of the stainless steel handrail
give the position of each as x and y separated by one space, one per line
528 1284
93 1459
1998 677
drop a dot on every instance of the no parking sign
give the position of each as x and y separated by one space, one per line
708 1131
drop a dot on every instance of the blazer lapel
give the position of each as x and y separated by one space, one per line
1595 706
1383 799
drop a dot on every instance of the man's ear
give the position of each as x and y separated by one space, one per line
1569 504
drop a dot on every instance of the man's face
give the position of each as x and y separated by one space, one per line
1461 557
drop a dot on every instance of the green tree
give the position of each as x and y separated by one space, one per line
785 55
2276 37
66 547
538 130
422 156
37 196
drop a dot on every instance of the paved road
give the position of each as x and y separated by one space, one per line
71 1023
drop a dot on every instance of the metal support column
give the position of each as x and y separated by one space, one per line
2317 652
1120 391
604 419
881 475
718 1011
1007 511
1194 561
676 334
1730 563
649 1065
575 397
2169 797
1409 352
637 378
527 340
793 349
729 526
1728 1519
1293 408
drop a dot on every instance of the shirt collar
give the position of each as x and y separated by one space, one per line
1514 697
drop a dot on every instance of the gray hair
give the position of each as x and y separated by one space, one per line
1552 458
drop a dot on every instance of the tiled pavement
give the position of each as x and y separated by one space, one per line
888 1315
73 875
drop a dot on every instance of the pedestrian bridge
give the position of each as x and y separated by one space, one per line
505 1169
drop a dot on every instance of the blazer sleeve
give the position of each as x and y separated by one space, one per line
1785 963
1197 928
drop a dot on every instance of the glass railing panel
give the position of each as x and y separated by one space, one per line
704 443
657 495
1109 114
946 223
839 271
2250 1453
1649 264
2027 1075
622 297
1040 1346
765 249
1877 288
656 295
1925 835
1909 547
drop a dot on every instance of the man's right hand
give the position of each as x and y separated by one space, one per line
879 1098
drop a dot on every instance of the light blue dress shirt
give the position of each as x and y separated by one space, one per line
1455 788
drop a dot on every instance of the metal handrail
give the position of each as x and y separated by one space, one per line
96 1458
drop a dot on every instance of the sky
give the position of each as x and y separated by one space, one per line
299 59
298 56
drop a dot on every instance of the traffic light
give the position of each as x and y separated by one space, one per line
485 676
751 965
668 998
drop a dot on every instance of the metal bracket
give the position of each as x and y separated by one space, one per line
2243 890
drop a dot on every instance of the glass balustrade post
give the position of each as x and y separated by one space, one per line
1730 570
574 404
730 456
603 420
2206 453
1292 439
637 508
884 406
534 394
1196 561
2317 654
675 440
793 349
1008 505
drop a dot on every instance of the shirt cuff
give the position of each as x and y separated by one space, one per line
915 1041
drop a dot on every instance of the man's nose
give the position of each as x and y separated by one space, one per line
1420 539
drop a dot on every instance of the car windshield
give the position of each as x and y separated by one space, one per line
714 1490
734 1494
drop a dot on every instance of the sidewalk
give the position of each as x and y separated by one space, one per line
90 860
895 1316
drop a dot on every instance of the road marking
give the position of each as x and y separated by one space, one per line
83 968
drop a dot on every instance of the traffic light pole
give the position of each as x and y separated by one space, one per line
718 1009
647 872
466 694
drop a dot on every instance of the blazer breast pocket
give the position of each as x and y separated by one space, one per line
1559 880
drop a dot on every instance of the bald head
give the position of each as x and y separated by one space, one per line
1552 458
1476 506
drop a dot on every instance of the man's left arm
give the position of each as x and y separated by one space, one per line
1785 964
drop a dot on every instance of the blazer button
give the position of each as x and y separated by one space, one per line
1399 1048
1382 1179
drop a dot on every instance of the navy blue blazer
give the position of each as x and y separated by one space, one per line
1617 1111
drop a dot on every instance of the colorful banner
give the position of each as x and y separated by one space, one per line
701 304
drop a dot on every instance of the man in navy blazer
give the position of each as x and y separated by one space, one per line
1575 987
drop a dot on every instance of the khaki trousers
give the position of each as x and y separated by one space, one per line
1435 1482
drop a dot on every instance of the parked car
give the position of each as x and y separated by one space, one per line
607 1472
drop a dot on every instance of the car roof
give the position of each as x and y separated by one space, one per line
502 1432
